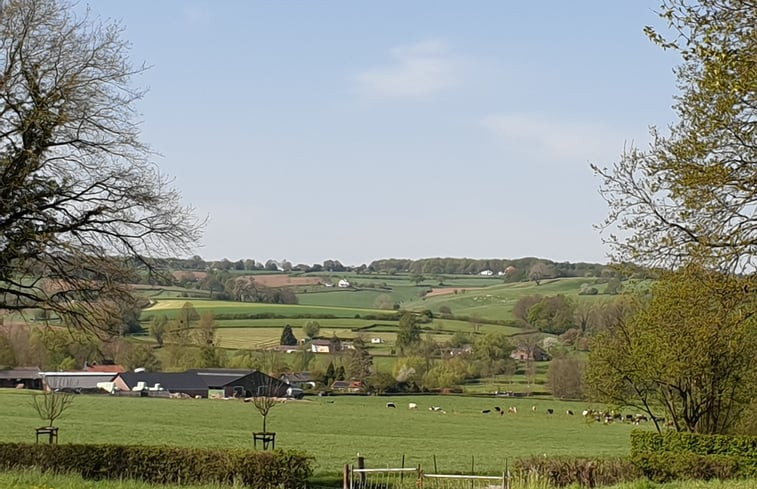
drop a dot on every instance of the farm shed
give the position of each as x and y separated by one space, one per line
320 346
241 383
173 382
80 382
29 377
301 380
204 382
534 353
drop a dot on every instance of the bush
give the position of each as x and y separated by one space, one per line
164 465
587 472
674 455
669 466
673 441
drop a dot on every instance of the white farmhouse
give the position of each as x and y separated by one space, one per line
487 273
343 283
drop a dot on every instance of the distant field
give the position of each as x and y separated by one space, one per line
336 429
170 307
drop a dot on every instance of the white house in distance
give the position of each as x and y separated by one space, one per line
320 346
343 283
486 273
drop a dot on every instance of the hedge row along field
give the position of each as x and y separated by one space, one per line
164 465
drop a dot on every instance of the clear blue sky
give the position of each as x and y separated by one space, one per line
362 130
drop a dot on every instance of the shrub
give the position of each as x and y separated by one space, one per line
164 465
673 441
587 472
669 466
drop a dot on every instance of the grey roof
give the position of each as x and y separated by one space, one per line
20 373
75 380
170 381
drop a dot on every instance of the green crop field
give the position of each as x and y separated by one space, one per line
335 429
170 307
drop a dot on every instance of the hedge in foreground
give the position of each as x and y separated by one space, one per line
680 442
679 455
587 472
164 465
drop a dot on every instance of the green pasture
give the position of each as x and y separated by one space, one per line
335 429
170 307
497 302
328 296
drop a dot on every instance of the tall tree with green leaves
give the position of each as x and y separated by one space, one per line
693 193
686 353
287 336
408 331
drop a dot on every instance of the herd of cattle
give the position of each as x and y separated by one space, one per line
605 417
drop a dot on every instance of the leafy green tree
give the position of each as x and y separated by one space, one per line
341 374
79 197
552 314
330 374
7 355
287 336
311 329
692 194
159 327
686 354
408 331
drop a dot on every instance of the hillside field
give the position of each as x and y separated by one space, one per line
335 429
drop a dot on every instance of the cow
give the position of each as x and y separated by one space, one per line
435 408
412 405
512 410
390 405
569 412
486 411
550 411
498 409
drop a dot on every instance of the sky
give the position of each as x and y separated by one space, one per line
357 131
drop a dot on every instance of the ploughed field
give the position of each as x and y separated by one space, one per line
334 429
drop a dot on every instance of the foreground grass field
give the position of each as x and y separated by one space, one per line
335 429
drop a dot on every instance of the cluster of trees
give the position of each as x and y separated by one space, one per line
687 205
515 270
190 339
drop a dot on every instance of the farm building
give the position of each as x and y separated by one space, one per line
301 380
532 353
78 381
347 385
486 273
321 346
28 377
203 383
343 283
376 341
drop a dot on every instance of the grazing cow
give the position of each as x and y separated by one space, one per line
512 410
412 405
550 411
390 405
585 413
533 409
486 411
435 408
569 412
498 409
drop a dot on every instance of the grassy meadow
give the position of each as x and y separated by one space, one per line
335 429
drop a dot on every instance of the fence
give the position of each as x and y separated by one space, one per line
406 478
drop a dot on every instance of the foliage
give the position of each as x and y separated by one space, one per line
696 443
565 377
688 349
287 336
164 465
693 193
158 327
311 329
582 471
663 467
552 314
80 203
408 331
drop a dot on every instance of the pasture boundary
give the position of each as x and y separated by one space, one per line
395 478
